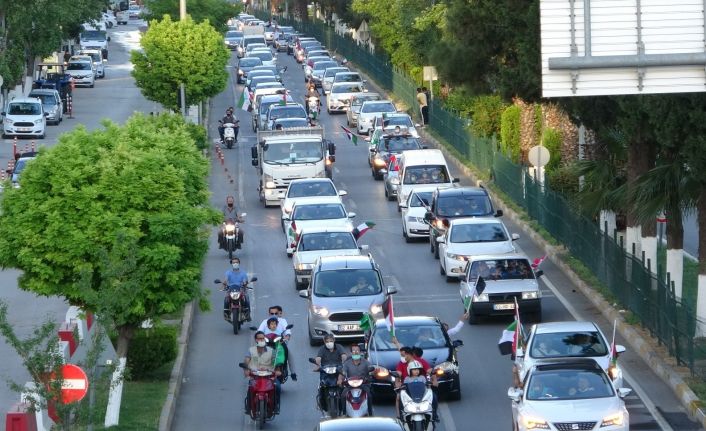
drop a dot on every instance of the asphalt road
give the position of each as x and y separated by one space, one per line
115 97
213 387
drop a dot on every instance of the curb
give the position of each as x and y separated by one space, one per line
175 379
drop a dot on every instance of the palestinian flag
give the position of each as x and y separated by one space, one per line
362 228
351 136
366 322
284 99
507 339
467 303
538 261
390 317
244 102
480 286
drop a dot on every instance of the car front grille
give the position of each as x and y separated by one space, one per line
23 124
572 426
498 297
346 317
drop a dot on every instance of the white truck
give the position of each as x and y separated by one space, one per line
281 156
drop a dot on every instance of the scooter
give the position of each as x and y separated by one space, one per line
231 228
229 134
328 388
313 104
260 402
416 399
237 315
356 399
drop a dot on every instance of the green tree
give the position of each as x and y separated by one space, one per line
176 52
133 194
216 12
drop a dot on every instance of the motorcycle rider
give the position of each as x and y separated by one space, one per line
230 213
229 118
357 366
416 373
236 279
261 358
311 91
274 326
331 353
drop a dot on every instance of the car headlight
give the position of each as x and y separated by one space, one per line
530 295
395 181
40 121
376 309
613 420
304 266
535 423
412 219
320 311
460 257
240 71
445 367
483 297
8 121
270 185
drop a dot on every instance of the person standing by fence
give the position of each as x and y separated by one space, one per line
423 106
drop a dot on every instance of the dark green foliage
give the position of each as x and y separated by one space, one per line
150 349
551 139
510 132
486 115
564 180
217 12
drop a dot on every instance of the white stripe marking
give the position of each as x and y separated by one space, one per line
73 384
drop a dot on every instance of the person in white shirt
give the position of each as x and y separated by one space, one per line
276 312
457 328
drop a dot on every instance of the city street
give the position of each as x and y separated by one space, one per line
115 97
214 387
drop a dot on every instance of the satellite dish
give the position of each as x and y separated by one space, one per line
538 156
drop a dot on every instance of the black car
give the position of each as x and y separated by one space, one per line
387 142
361 424
414 331
456 202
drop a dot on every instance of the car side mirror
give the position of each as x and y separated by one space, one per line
457 343
499 213
624 392
286 217
456 180
520 353
515 236
391 290
619 349
304 293
342 193
515 394
364 247
351 215
417 125
539 273
440 239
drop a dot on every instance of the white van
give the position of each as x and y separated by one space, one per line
422 168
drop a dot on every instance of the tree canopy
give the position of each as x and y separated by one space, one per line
216 12
112 220
177 52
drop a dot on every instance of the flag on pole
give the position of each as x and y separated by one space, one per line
362 228
365 322
467 303
244 102
351 136
480 286
613 349
390 317
538 261
511 338
284 99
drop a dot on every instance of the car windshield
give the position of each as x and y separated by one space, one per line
427 174
79 66
463 206
264 56
323 65
272 69
18 108
478 232
306 189
295 152
93 35
421 199
378 107
265 105
346 89
234 34
359 100
426 336
327 241
331 72
554 385
399 144
291 111
266 84
318 212
562 344
288 123
250 62
258 73
501 269
95 56
254 82
348 77
347 282
398 120
47 99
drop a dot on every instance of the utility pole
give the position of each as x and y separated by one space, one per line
182 88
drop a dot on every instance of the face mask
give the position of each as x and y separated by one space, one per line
236 266
329 345
403 359
261 343
355 357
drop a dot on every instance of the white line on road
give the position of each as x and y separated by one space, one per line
447 417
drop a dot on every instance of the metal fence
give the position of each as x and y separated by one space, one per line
636 288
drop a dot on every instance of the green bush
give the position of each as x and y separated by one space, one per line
460 101
150 349
510 132
486 114
198 133
564 180
552 140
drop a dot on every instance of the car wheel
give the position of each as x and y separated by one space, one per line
441 269
312 341
42 136
407 239
431 244
93 84
436 252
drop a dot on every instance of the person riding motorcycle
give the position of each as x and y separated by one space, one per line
235 278
311 91
357 366
230 213
331 353
415 373
229 118
277 327
261 358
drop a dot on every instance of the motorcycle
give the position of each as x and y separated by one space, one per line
230 243
416 400
328 386
277 342
260 403
313 104
229 134
356 399
236 300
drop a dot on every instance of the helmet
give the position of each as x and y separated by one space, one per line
414 365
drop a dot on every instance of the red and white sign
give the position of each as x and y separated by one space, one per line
75 384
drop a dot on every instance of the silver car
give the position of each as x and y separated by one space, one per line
340 96
341 291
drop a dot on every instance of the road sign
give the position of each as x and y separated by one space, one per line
75 384
429 73
538 156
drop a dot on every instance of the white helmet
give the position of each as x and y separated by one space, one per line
414 365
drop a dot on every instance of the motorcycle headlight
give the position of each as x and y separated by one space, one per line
375 309
330 370
320 311
483 297
230 228
613 420
530 295
355 383
234 295
532 423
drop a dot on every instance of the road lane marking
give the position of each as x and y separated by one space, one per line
447 418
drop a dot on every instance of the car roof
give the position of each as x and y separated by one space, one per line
423 157
498 256
410 321
42 91
361 424
25 100
332 263
424 189
587 364
338 229
314 200
475 220
310 180
463 191
567 326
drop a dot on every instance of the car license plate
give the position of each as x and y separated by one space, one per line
24 129
349 327
509 306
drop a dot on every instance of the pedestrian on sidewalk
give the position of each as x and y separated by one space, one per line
427 93
422 101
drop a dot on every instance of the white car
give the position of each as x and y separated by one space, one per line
395 119
24 117
340 96
82 71
305 188
413 211
369 110
313 243
466 237
109 19
266 56
314 212
569 395
329 74
97 59
559 340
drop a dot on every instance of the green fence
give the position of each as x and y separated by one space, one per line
637 289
